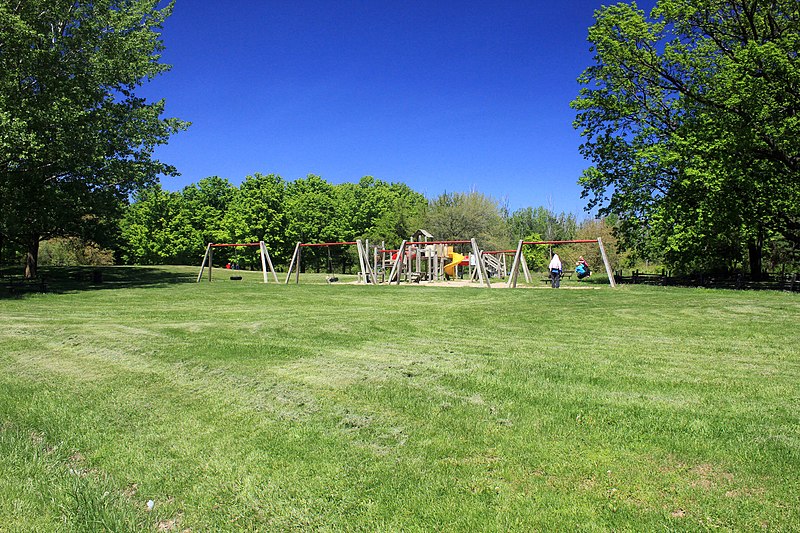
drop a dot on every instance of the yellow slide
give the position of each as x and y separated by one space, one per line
450 268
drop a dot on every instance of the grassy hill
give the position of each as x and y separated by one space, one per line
238 405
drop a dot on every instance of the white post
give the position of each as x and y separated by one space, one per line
375 261
397 268
479 263
261 249
363 259
512 279
525 269
291 264
265 254
606 263
203 264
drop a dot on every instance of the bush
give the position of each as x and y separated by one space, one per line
73 251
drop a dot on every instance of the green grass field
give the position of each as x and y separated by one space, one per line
243 406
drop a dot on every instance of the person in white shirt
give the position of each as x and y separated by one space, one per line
555 271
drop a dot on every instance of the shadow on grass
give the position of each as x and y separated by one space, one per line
61 280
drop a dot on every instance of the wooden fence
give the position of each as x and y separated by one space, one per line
779 281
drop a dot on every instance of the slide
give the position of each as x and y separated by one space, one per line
450 268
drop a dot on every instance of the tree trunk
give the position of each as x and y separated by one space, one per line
32 257
755 254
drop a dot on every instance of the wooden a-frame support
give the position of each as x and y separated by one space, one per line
266 260
520 260
480 264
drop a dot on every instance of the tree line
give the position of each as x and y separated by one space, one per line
174 227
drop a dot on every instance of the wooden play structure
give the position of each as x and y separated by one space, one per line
519 259
208 258
432 260
497 262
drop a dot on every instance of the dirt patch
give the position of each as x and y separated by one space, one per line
708 477
170 524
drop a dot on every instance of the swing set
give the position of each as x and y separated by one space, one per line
366 274
208 258
519 259
435 252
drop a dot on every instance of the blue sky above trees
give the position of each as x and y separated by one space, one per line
444 96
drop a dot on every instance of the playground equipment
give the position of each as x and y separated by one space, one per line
456 260
365 275
440 260
208 259
496 262
417 260
519 259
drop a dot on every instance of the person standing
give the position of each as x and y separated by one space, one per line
555 271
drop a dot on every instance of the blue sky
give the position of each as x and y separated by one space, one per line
444 96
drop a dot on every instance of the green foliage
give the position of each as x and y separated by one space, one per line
543 222
157 230
206 204
461 216
592 229
690 121
379 211
73 251
536 256
75 139
311 206
163 227
256 212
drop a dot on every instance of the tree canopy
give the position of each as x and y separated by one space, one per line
690 118
174 227
75 139
459 216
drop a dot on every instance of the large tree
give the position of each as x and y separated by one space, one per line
462 216
157 229
543 222
377 210
691 118
257 212
75 138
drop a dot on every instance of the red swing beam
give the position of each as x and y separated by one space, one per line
312 244
408 243
575 241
